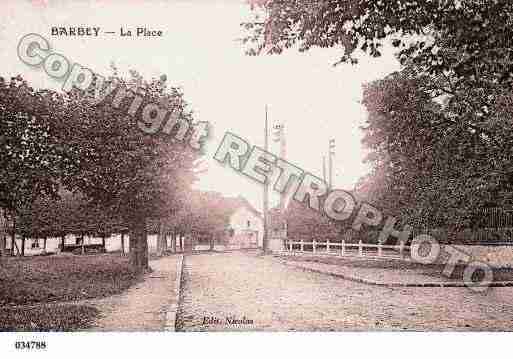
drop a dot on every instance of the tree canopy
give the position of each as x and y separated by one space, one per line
438 131
32 160
71 165
140 176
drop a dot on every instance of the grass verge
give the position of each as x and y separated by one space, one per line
47 318
435 270
52 279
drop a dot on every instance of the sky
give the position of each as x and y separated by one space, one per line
200 52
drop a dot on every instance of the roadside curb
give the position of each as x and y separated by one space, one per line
399 284
172 309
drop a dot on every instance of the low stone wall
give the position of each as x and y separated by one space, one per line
498 256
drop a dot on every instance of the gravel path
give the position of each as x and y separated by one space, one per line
260 293
143 307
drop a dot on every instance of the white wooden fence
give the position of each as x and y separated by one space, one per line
359 249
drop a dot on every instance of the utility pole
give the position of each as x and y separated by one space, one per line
265 239
279 136
331 153
324 169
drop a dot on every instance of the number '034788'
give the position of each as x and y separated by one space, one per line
30 345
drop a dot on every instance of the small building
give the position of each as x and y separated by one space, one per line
245 226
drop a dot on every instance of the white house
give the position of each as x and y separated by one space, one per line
245 224
113 243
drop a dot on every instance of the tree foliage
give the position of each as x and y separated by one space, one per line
428 163
478 30
69 213
32 160
305 223
121 168
70 165
439 131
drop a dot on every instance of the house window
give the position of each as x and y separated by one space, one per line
35 243
249 224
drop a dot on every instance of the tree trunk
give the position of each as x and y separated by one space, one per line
173 242
17 249
23 246
3 239
138 243
62 243
187 242
103 243
161 237
122 244
165 236
212 238
13 238
3 244
44 245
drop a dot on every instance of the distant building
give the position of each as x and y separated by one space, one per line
245 224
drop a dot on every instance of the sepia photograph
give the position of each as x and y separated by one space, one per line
260 174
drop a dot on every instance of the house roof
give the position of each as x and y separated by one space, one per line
234 203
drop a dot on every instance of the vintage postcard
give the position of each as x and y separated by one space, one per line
254 166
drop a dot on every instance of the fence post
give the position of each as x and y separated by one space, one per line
343 247
360 249
380 252
328 246
313 246
302 246
290 246
401 248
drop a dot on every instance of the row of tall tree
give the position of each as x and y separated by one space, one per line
203 215
69 165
